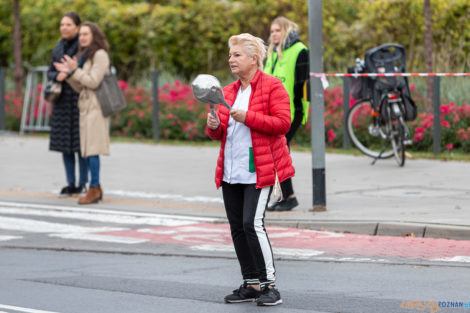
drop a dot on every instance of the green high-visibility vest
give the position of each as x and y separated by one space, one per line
284 69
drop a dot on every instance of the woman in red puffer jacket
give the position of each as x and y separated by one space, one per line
253 153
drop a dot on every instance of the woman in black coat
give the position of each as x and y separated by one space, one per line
65 136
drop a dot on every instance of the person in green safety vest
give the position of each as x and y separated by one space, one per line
288 60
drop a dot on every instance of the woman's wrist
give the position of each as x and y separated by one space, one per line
72 72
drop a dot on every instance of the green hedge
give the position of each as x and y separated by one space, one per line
186 37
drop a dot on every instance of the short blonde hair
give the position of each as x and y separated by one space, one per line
251 44
287 27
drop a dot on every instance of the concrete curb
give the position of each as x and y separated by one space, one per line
447 231
381 228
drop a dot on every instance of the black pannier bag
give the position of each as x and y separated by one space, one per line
411 110
358 86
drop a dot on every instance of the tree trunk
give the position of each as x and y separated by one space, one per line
18 72
428 52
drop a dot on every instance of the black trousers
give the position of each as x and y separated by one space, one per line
245 206
286 186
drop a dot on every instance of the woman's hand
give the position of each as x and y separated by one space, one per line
72 64
62 68
238 115
61 76
67 64
212 122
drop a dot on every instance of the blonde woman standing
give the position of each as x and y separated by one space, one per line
288 60
85 74
253 152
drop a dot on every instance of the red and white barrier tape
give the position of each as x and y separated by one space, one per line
325 83
387 74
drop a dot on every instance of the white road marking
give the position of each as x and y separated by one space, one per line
65 231
68 231
349 259
34 226
217 248
283 235
319 234
102 238
25 310
106 216
201 229
199 237
6 238
156 231
162 196
298 253
457 258
327 234
185 229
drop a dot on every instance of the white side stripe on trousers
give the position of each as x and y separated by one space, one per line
262 237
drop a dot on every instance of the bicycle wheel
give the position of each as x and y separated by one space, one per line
397 136
366 132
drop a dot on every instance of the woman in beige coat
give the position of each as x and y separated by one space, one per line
85 74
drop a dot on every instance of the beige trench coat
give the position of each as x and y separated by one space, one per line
94 127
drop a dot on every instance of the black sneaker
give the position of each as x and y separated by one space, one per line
81 189
269 296
243 294
287 204
272 207
67 191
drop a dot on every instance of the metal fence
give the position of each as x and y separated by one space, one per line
436 98
36 111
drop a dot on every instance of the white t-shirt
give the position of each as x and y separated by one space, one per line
238 147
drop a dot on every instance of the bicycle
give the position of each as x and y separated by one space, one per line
376 124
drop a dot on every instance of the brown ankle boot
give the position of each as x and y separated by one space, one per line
93 195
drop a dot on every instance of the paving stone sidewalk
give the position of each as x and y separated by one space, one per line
426 198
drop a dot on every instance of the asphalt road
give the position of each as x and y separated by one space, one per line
58 259
70 282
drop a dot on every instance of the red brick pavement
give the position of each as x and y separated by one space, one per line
326 242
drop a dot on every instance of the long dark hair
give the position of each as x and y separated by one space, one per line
74 17
99 41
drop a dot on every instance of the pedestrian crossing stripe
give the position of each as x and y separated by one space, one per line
22 310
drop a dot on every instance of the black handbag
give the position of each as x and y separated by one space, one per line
52 91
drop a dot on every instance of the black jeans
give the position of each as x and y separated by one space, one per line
245 206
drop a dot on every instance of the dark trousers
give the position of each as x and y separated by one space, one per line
245 206
69 163
286 186
287 189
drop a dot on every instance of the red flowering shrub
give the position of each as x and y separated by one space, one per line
333 116
180 115
13 109
454 121
455 130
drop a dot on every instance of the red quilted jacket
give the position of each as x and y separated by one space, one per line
268 118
